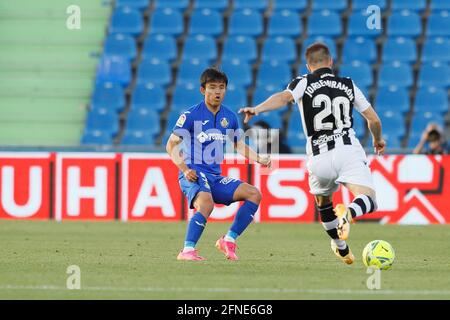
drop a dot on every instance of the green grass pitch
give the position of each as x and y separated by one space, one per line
277 261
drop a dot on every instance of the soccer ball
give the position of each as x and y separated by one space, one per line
378 254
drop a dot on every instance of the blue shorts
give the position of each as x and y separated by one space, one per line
221 188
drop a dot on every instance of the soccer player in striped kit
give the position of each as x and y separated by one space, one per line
335 156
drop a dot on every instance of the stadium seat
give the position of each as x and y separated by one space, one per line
143 119
431 99
206 22
167 21
421 120
319 24
219 5
297 6
400 49
96 137
126 20
395 74
273 119
263 92
185 96
135 4
259 5
359 125
439 24
279 48
120 45
241 48
359 5
359 49
416 5
435 74
296 139
114 69
404 23
392 98
393 140
302 70
328 41
436 49
148 96
103 120
160 46
393 126
235 98
108 95
239 73
439 5
333 5
177 5
138 138
360 72
200 47
276 73
246 22
190 70
154 71
285 23
357 26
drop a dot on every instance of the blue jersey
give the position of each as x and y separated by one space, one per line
206 135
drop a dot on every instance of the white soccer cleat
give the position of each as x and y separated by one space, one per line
348 259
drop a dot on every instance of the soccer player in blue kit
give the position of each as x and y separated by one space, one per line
196 146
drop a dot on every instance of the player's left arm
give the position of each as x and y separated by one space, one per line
243 149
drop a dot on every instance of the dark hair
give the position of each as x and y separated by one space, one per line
317 53
213 74
262 124
434 135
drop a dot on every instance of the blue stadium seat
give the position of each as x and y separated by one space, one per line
359 125
190 71
357 26
135 4
328 41
263 92
296 139
154 71
393 140
241 48
273 119
259 5
302 68
396 74
421 120
416 5
400 49
138 138
285 23
148 96
200 47
239 73
297 6
96 137
103 120
235 98
334 5
143 119
439 5
360 72
185 96
176 5
404 23
393 99
160 46
120 45
439 24
275 73
219 5
431 99
167 21
435 74
279 48
359 49
246 22
114 69
359 5
436 49
126 20
108 95
414 138
394 128
207 22
319 24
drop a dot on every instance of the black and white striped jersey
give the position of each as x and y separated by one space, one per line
326 106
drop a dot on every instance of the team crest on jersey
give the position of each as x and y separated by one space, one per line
181 120
224 122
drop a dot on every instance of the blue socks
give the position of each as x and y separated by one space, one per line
195 230
243 218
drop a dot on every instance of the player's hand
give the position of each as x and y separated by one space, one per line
379 147
190 175
265 161
248 112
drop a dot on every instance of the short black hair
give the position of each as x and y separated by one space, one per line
434 135
213 74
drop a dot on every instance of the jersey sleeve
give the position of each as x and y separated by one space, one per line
297 87
183 124
361 104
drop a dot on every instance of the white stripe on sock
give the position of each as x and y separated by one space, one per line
357 209
366 202
340 244
330 225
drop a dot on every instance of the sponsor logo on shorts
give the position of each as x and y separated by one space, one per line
227 180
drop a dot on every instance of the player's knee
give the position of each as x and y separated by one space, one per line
206 207
254 195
